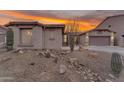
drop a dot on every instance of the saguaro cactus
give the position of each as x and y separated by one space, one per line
116 63
9 40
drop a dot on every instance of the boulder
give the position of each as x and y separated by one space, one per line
16 50
111 76
47 54
53 56
55 60
62 69
41 54
99 78
21 52
74 62
93 54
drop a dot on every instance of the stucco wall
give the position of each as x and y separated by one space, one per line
3 31
37 37
53 38
16 36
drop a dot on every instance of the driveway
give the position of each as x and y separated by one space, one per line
109 49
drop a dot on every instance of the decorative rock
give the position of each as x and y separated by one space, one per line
70 66
5 59
32 64
95 74
53 56
85 78
90 75
99 78
17 50
55 59
91 78
65 52
62 69
74 61
47 54
93 54
107 80
21 52
41 54
110 75
76 64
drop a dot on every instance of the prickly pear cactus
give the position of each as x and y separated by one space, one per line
9 40
116 63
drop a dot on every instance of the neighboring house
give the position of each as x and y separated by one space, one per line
33 35
97 37
114 23
3 31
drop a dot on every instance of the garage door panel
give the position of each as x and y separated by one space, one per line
99 40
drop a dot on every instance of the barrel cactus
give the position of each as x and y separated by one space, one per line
9 40
116 63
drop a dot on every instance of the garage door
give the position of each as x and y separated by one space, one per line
99 40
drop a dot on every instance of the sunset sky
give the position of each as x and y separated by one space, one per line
87 19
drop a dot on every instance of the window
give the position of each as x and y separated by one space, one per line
26 36
65 38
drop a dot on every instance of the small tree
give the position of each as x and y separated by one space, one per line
9 40
71 27
72 43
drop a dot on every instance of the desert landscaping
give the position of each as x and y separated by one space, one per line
55 66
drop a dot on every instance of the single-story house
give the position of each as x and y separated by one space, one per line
3 31
34 35
97 37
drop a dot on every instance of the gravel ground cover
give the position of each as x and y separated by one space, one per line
55 66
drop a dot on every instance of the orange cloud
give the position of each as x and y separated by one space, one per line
84 25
